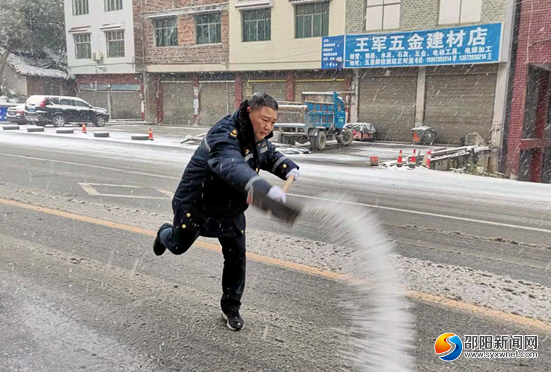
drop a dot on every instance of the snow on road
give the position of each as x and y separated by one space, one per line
457 187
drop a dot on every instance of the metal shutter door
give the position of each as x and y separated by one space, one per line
388 102
459 102
177 103
216 101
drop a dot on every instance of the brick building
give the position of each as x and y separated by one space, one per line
182 48
201 58
529 126
454 98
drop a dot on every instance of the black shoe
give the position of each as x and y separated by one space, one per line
158 247
233 320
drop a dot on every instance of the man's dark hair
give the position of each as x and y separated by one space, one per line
261 99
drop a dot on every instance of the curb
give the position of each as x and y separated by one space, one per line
35 130
140 137
10 127
65 131
101 134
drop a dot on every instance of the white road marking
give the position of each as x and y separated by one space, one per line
429 214
92 166
310 197
89 188
167 193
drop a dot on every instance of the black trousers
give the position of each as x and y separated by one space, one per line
178 240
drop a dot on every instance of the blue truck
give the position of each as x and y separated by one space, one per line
321 118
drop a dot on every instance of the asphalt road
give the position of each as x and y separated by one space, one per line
77 293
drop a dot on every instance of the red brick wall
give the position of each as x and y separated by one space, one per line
534 47
187 52
138 37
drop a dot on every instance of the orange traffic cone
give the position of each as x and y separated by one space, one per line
426 159
400 162
84 128
150 134
413 159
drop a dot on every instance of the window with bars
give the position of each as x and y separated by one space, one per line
80 7
383 15
115 43
166 32
209 28
83 46
257 25
112 5
312 20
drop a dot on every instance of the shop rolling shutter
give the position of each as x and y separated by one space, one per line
316 86
97 99
177 103
276 90
216 101
126 105
459 101
388 102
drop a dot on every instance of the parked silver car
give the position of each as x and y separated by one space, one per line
17 114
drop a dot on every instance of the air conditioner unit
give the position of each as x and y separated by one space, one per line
97 56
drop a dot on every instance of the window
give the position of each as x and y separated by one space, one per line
66 102
460 11
80 7
166 32
81 104
312 20
112 5
115 43
382 15
257 25
83 46
209 28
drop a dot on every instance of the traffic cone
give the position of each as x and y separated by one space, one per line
413 159
150 134
426 159
399 163
84 128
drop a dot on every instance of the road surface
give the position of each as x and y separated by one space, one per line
80 288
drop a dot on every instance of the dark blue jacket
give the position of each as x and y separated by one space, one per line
212 196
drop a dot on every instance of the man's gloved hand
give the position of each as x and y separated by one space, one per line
293 172
277 193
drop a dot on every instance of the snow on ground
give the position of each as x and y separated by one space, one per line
499 292
403 180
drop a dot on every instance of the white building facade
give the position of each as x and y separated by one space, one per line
101 54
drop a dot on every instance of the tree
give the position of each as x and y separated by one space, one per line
35 26
14 33
45 20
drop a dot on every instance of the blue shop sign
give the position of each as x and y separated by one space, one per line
445 46
332 52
